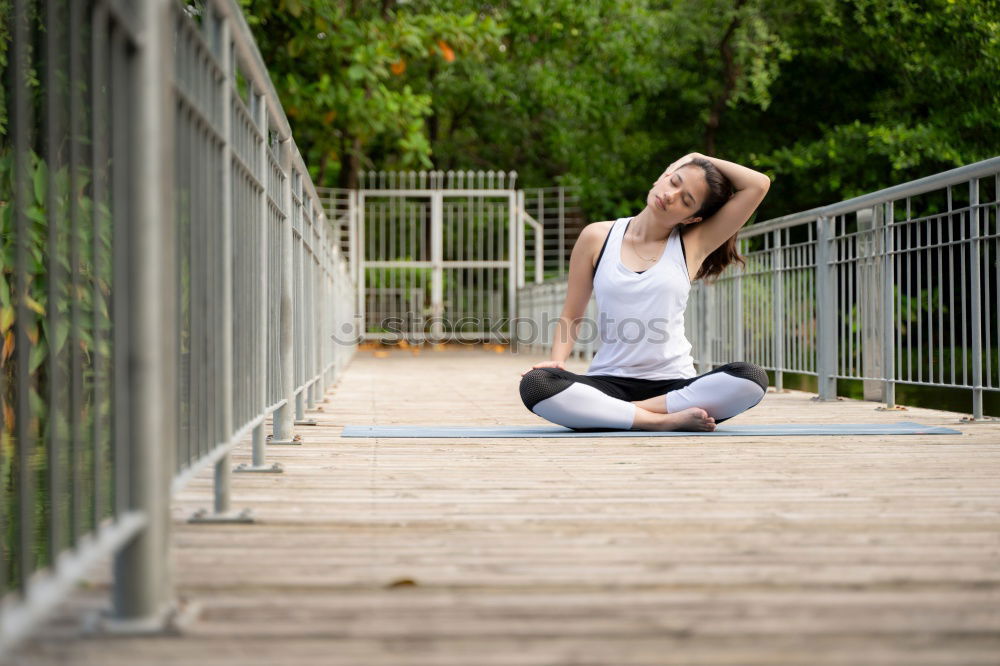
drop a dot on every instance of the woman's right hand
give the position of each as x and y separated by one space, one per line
677 164
545 364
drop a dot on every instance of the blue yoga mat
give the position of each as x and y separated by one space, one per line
787 429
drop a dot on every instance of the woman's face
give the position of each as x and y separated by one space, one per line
677 195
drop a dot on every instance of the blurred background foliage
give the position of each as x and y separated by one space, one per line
832 99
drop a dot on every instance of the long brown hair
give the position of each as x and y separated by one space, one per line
720 189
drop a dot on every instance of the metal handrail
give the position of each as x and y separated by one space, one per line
936 181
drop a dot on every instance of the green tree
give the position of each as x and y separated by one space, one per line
832 99
341 73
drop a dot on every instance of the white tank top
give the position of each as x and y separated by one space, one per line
641 315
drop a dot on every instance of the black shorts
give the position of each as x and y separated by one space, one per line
631 389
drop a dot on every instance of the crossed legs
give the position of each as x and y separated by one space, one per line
698 404
725 392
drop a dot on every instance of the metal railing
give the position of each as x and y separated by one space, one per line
555 211
442 253
174 285
899 286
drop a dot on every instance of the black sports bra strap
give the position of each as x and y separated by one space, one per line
601 253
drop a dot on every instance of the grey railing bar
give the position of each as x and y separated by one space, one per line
142 589
944 179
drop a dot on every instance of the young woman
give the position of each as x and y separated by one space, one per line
640 270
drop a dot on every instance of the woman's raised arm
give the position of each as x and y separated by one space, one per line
750 187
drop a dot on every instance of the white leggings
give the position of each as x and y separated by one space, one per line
582 401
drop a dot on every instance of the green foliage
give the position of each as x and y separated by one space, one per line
831 98
52 296
886 91
341 73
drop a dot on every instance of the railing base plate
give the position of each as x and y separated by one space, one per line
294 441
273 468
981 419
306 422
172 621
894 408
203 516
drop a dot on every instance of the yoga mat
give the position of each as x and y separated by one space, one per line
787 429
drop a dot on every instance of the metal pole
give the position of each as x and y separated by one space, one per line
284 416
539 248
778 307
353 249
142 588
259 463
976 302
437 267
826 313
888 307
562 231
870 284
541 220
707 328
739 351
222 477
515 229
522 254
260 116
359 251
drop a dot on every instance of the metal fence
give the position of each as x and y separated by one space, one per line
171 283
557 211
440 254
899 286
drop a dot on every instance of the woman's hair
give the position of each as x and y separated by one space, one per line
720 189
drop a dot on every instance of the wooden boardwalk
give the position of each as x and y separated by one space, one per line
610 551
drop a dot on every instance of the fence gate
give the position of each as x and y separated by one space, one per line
439 255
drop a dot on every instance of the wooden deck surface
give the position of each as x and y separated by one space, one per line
612 551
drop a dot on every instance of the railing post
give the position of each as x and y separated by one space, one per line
258 107
826 311
142 586
778 308
888 307
361 277
541 220
307 343
222 477
562 231
975 275
707 328
437 266
518 203
222 44
515 258
870 286
284 416
739 327
352 234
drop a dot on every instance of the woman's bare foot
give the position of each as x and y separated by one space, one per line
693 419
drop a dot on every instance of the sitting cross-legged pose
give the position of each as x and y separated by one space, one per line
640 270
